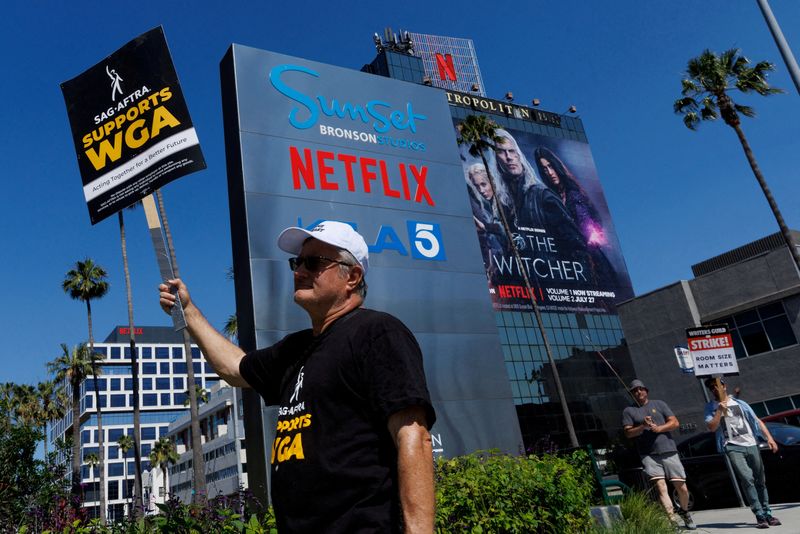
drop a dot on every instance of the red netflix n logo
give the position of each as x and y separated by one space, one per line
446 69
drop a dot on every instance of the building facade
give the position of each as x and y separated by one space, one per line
587 341
755 291
162 396
224 451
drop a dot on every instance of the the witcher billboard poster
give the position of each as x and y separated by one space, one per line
130 125
554 206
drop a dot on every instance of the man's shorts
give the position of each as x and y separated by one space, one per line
667 465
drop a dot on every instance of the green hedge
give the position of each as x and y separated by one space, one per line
491 492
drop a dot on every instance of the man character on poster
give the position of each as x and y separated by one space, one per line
535 206
738 431
352 452
649 423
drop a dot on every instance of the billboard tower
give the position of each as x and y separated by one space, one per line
549 186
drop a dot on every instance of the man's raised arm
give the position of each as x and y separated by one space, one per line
223 355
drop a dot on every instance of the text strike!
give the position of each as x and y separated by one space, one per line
329 169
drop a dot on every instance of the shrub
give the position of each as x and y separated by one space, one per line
493 492
640 514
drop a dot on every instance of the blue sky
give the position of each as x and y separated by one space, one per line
677 197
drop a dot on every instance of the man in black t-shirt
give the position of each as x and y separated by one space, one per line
352 452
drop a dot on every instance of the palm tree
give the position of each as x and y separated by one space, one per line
73 366
478 132
710 78
198 462
162 455
231 328
126 443
92 460
137 427
86 282
51 406
200 393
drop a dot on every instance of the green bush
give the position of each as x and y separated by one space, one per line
498 493
640 514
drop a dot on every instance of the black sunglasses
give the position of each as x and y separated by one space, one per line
312 263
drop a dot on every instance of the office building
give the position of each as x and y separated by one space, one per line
162 395
755 291
584 331
224 451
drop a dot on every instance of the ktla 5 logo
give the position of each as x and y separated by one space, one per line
424 240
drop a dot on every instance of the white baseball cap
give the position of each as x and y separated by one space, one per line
338 234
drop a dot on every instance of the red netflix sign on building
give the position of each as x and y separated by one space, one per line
712 350
447 71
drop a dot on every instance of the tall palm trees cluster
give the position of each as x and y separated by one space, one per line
72 369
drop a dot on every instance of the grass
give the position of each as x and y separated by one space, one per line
641 515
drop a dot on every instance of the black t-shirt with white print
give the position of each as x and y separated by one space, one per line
334 464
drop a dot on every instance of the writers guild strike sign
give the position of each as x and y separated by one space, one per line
712 350
130 125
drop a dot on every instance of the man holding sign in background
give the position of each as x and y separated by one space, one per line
649 423
738 431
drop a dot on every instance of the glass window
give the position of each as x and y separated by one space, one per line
147 353
208 369
149 433
179 368
195 353
118 401
147 383
177 353
115 353
101 402
162 431
780 332
89 402
126 353
101 350
162 353
165 399
145 452
754 338
128 385
744 318
177 383
113 452
180 398
115 384
163 368
150 399
771 310
116 469
196 368
779 405
86 436
148 368
114 434
162 383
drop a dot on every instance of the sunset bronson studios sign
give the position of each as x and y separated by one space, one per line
308 142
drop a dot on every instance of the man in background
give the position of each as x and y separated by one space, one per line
649 423
738 431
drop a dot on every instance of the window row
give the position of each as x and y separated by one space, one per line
760 330
149 433
146 353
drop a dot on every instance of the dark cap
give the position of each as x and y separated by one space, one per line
711 381
637 384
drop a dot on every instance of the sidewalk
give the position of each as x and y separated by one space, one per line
742 520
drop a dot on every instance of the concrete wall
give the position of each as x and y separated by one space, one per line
655 322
